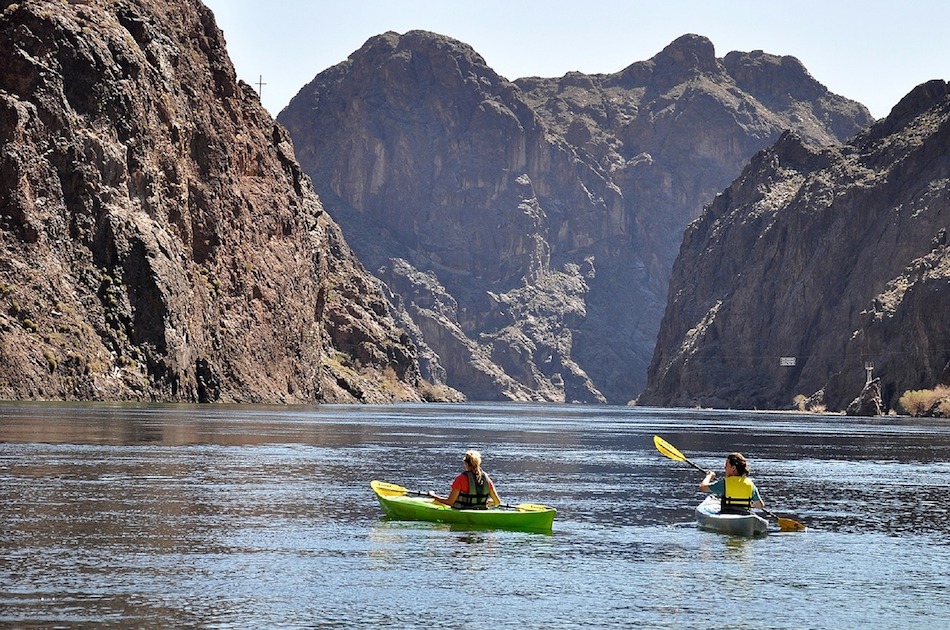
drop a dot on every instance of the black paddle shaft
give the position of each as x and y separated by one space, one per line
703 470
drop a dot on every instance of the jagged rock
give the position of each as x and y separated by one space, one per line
837 257
815 402
869 403
160 241
549 210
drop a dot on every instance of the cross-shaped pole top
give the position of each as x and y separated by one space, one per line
260 84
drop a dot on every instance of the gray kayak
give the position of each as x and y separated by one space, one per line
709 518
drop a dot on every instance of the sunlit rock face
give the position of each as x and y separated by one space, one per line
837 259
529 228
160 241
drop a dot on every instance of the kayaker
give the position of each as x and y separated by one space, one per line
737 492
473 489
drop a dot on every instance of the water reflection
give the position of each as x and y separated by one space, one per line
148 515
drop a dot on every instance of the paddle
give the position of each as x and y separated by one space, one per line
785 524
394 490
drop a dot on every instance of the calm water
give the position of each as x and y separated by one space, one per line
260 517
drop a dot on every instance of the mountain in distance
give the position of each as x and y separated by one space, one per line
836 258
160 241
527 230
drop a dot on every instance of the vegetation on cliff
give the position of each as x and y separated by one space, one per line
927 402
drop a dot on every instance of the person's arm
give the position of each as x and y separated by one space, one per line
756 498
450 501
493 495
707 481
453 493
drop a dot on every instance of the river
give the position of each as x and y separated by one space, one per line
160 516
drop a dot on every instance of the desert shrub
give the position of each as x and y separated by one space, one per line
919 402
389 380
914 401
50 360
811 404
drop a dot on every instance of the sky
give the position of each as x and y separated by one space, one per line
871 51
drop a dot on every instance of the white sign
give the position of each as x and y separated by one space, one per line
787 361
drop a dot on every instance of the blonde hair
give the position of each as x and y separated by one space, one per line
474 461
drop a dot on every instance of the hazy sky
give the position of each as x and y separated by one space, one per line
871 51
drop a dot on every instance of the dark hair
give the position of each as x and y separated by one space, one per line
737 460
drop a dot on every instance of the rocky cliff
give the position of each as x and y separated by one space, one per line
527 230
836 258
160 241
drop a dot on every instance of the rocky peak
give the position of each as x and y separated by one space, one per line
420 59
548 216
907 111
430 54
836 258
686 58
773 79
792 152
687 55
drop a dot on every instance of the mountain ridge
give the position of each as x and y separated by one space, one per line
862 226
550 210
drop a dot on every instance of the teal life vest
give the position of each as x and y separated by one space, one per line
477 496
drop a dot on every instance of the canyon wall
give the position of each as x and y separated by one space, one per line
527 229
160 241
834 258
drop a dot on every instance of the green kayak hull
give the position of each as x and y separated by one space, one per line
406 508
709 518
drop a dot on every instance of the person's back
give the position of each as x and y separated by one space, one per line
737 495
472 488
736 490
474 491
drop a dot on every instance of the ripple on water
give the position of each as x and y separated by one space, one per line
245 517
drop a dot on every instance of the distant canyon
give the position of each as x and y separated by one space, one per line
694 230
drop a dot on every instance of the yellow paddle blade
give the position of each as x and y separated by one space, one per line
390 489
789 525
668 449
786 524
531 507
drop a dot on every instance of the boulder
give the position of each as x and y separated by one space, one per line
869 402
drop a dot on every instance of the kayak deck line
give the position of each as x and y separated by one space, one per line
416 508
